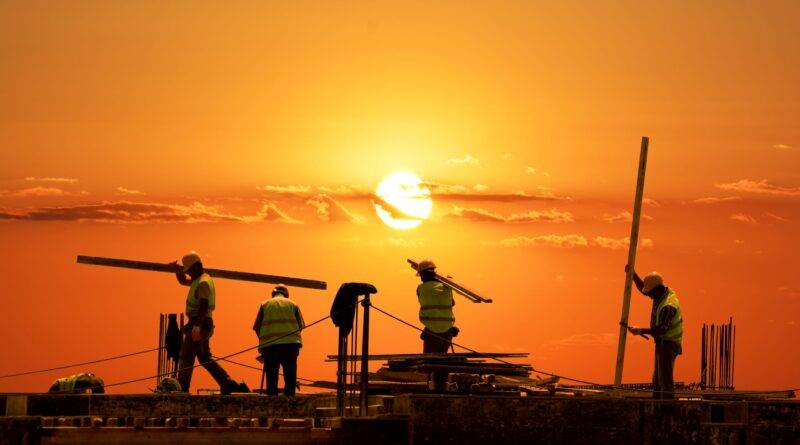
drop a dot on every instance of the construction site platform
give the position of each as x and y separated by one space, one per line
399 419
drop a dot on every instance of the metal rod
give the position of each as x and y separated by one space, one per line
634 241
218 273
364 354
160 345
460 289
733 357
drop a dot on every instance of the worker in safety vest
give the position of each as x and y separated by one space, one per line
200 305
666 327
78 384
278 325
435 310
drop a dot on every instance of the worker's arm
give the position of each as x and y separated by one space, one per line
637 280
183 279
299 316
258 322
664 321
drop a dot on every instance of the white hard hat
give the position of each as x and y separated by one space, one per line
425 265
652 280
189 260
280 289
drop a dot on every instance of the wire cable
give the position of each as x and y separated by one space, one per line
256 368
56 368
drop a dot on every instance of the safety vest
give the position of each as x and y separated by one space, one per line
675 331
278 320
436 306
67 384
193 303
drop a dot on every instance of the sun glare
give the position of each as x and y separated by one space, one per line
403 201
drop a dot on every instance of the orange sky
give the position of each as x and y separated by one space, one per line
254 133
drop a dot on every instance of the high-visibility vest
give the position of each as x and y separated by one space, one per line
193 303
67 384
436 306
675 331
278 320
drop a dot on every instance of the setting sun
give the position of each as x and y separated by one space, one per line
403 201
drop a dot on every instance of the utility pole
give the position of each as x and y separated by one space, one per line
634 241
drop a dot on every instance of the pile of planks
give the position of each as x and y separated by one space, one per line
466 363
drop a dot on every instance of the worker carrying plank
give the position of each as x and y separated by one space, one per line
278 325
435 310
200 305
666 327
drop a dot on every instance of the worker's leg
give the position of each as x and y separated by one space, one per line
289 365
441 342
186 361
656 378
212 366
271 365
666 367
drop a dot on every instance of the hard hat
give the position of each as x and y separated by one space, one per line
280 289
168 384
652 280
189 260
425 265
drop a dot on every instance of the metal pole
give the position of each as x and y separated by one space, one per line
159 366
365 357
634 241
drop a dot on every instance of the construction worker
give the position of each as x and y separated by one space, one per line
200 305
435 310
278 325
666 327
78 384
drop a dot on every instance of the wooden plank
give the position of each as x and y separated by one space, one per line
333 358
217 273
634 241
458 288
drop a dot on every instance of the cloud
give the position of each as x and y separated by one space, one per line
456 192
139 213
468 159
775 217
331 210
534 170
507 156
744 217
51 179
582 340
622 243
716 200
286 189
482 215
762 187
560 241
782 146
126 191
651 202
623 216
480 187
35 191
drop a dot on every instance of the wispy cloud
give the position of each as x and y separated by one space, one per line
567 242
138 213
535 171
623 216
51 179
651 202
34 191
762 187
457 192
467 159
127 191
507 156
744 217
330 210
782 146
716 200
483 215
559 241
775 217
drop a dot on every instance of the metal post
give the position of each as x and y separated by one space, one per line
634 241
364 357
159 367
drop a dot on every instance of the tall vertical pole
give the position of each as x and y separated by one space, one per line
159 367
365 357
634 241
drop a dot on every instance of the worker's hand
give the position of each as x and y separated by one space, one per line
196 336
634 330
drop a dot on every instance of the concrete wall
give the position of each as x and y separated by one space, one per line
583 420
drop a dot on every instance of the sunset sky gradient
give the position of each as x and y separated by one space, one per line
256 132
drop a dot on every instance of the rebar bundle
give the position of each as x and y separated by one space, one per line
717 356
